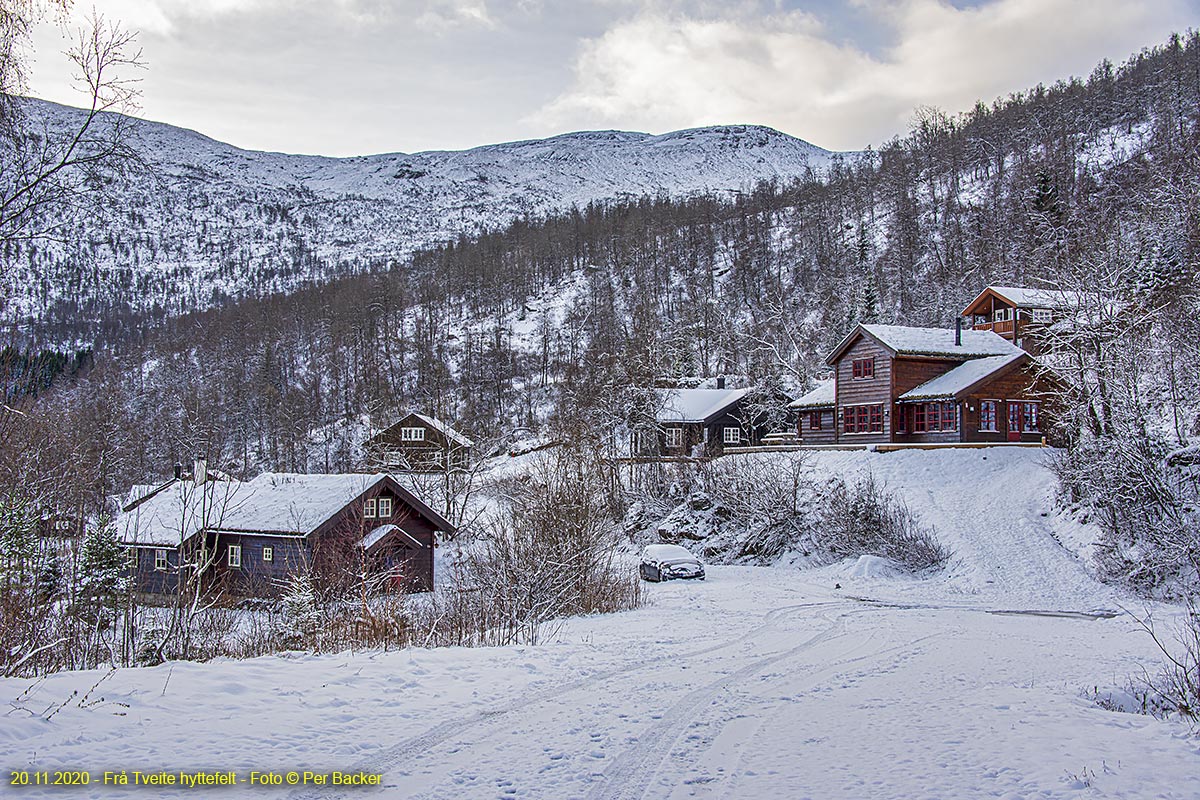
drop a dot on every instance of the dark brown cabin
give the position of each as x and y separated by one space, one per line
418 443
896 384
704 422
251 538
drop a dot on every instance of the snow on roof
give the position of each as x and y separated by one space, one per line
293 503
695 405
962 377
445 430
824 395
940 341
376 536
177 513
273 502
1037 298
138 491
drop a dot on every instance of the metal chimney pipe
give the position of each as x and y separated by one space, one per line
958 331
721 382
200 470
178 471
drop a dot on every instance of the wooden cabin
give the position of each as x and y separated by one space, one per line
418 443
816 414
896 384
1017 313
703 422
251 538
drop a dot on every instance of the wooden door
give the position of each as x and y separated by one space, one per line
1014 422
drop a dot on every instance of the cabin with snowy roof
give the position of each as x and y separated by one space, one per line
418 443
897 384
250 538
695 422
1019 314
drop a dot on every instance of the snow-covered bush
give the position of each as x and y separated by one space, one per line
751 509
1173 689
1147 503
550 554
863 518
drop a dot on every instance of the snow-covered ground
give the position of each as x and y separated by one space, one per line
759 682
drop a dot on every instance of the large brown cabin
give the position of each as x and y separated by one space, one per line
896 384
251 538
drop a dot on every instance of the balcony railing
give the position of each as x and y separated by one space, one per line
1001 327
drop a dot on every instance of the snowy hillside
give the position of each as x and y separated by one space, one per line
759 682
207 220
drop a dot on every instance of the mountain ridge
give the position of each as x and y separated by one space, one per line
209 221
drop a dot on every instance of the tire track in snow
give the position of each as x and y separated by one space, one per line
416 747
744 734
631 775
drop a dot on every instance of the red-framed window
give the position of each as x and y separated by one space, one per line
950 416
863 368
988 420
814 420
932 417
862 419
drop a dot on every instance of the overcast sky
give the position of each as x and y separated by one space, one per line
352 77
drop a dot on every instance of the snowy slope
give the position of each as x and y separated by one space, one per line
208 220
759 682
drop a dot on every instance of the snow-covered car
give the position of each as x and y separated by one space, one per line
665 562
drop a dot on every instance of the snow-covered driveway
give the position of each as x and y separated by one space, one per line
757 683
751 684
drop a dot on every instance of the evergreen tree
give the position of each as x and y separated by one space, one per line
868 304
101 564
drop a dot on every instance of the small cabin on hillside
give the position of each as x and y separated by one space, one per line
251 538
896 384
418 443
703 422
1018 314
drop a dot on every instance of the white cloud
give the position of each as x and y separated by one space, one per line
444 15
660 71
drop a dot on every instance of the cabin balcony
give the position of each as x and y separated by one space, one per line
1002 327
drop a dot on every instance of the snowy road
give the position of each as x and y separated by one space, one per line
757 683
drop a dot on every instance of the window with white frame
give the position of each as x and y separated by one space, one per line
412 434
369 508
234 559
674 437
732 435
1044 315
268 553
385 507
160 559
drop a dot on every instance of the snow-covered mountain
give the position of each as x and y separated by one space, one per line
207 220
